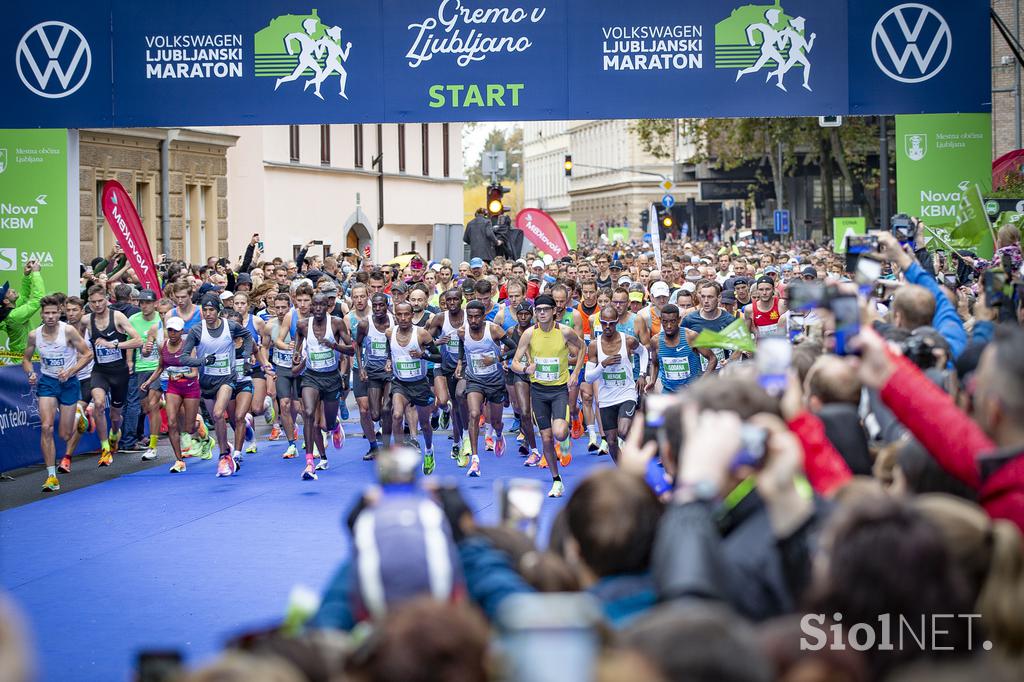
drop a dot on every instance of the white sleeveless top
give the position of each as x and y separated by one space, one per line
403 365
86 371
221 347
618 384
55 356
478 351
450 332
319 356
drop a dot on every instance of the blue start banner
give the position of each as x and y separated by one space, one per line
66 63
20 427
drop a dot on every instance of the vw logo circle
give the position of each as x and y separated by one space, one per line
903 45
43 55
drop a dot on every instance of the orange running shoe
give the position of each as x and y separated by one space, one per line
65 465
577 426
106 459
275 433
564 452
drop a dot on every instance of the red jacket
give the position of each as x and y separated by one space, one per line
956 442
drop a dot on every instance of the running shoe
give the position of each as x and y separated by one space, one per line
482 420
557 489
474 469
593 446
65 465
92 420
604 447
52 485
428 462
521 437
455 451
378 435
544 460
226 466
290 453
149 455
81 421
577 426
370 454
444 420
114 437
467 449
275 433
201 429
106 459
344 412
295 432
517 424
338 436
524 449
250 432
269 413
309 474
321 464
564 453
488 443
435 421
206 450
499 446
533 460
239 458
178 467
462 459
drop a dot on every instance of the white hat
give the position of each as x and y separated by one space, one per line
659 289
225 295
538 263
624 280
694 259
548 259
176 323
689 287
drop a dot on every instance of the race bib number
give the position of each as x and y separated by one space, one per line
768 330
221 365
54 363
378 349
677 369
719 353
479 365
240 370
322 360
548 369
282 358
408 369
453 344
178 373
105 354
615 378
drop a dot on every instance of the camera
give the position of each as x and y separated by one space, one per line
903 227
803 295
857 244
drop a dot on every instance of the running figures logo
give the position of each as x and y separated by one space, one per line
915 145
900 35
53 48
757 37
8 259
294 46
3 159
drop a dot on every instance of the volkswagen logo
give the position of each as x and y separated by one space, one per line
911 43
53 59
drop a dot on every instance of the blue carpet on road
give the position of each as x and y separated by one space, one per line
153 560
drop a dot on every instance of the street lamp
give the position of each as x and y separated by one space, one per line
519 189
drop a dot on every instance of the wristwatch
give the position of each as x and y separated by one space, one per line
698 491
117 344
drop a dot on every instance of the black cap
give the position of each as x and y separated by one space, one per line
147 295
544 299
809 271
243 278
524 307
765 279
211 301
616 265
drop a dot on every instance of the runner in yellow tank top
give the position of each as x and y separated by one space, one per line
545 349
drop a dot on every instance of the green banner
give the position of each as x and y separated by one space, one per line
34 208
568 228
844 226
735 336
618 234
939 157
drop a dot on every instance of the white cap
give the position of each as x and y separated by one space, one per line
689 287
659 289
624 279
694 259
225 295
548 259
176 323
538 263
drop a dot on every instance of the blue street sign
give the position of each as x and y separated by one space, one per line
782 222
668 201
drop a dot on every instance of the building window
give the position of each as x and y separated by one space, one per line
401 149
101 224
444 149
425 137
325 145
396 249
412 245
293 144
428 250
358 146
188 224
204 196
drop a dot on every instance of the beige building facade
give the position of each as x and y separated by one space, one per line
296 184
196 180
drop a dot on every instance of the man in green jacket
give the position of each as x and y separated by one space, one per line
17 311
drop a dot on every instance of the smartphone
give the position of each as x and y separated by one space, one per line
655 407
861 243
774 356
994 281
519 503
318 242
804 296
868 271
548 637
846 310
753 445
158 666
903 227
950 281
260 246
797 321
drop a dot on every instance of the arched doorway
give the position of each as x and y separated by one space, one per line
354 233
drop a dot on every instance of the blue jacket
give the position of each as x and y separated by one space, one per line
945 320
625 597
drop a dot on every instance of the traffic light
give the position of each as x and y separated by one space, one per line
495 200
568 165
645 217
666 221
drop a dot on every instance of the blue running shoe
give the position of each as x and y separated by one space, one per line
344 412
516 425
